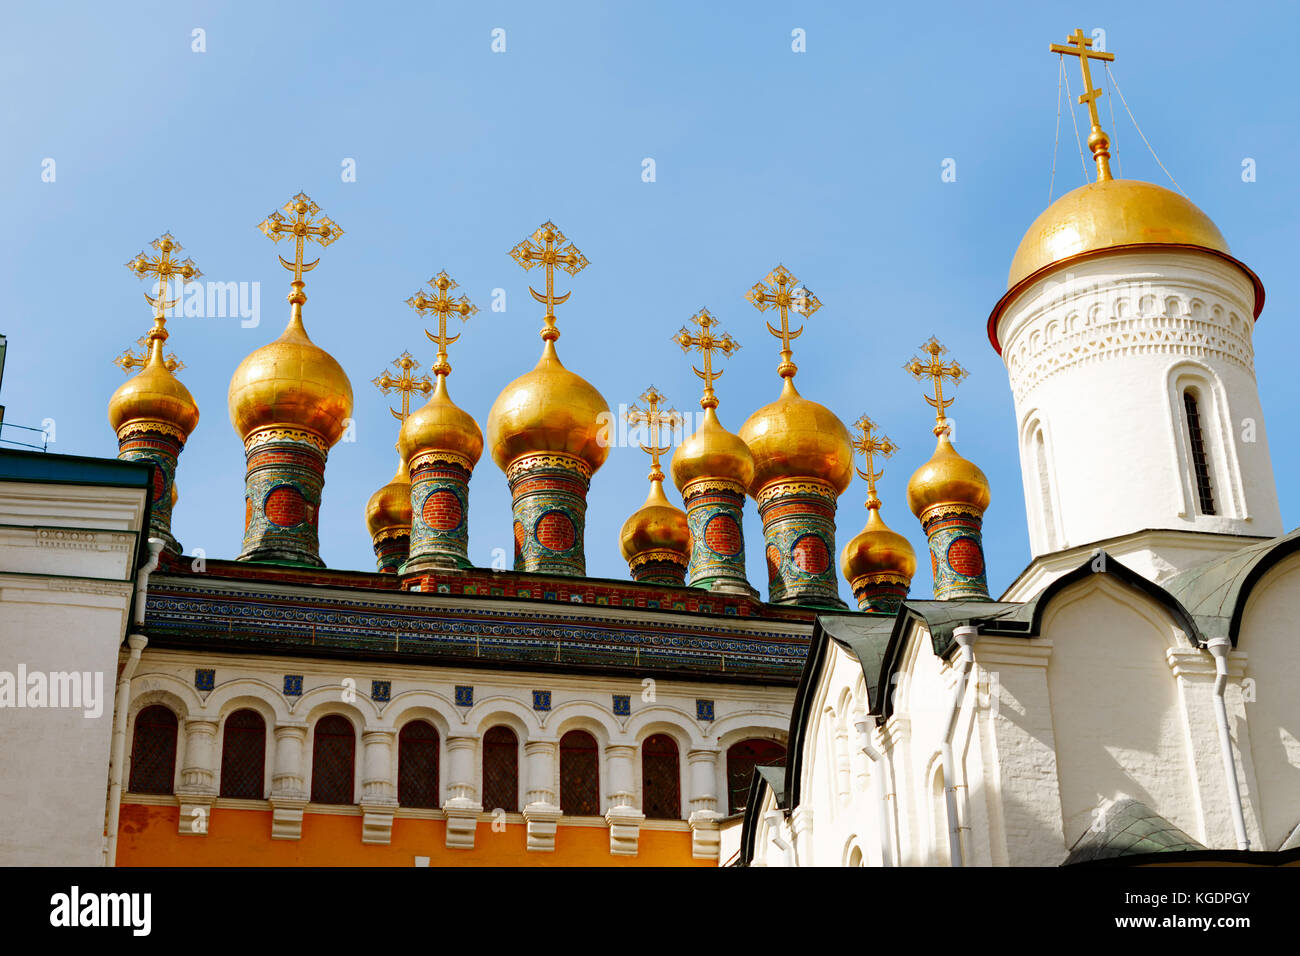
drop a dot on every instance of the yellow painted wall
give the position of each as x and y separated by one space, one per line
147 836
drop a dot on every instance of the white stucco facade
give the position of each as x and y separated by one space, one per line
68 555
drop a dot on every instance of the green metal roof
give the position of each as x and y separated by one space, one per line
1215 593
1129 828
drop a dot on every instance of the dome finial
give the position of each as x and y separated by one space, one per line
865 441
706 343
1098 141
442 305
304 228
937 371
654 418
547 247
782 290
404 383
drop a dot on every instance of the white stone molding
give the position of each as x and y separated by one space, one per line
702 775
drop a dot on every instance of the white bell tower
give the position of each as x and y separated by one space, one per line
1127 331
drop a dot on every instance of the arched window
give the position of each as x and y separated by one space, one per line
243 756
501 770
661 778
1044 490
333 757
153 751
742 758
417 765
579 775
1200 464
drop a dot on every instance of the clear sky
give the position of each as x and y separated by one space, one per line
829 161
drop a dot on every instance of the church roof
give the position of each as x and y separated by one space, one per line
1215 593
1129 828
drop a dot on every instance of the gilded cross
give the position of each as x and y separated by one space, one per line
547 247
130 359
304 227
403 382
1097 140
781 289
866 441
442 306
937 370
654 417
165 267
706 343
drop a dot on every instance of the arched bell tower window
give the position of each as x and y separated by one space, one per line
1200 464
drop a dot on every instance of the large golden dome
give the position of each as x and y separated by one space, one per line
389 508
442 425
1111 214
712 452
154 395
797 438
656 528
877 549
291 382
549 409
947 478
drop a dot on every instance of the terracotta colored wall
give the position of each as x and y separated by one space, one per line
148 837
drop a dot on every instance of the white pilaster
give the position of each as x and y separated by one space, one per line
462 806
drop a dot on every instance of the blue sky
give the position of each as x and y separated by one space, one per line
828 161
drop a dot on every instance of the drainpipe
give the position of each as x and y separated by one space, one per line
121 703
886 789
965 637
1220 648
776 824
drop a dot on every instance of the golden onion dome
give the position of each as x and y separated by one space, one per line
712 452
797 438
441 425
1112 214
877 549
390 507
153 394
549 409
947 478
291 382
657 525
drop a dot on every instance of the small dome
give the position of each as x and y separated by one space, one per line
657 527
389 508
441 425
712 452
797 438
153 394
947 478
291 382
877 549
549 409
